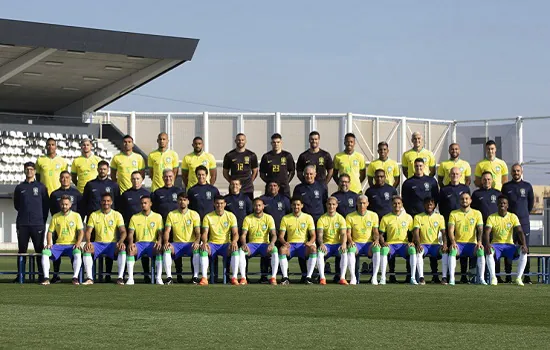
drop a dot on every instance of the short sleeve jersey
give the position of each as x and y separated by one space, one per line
429 227
219 226
465 224
350 164
105 225
159 161
322 161
396 227
496 167
49 170
125 165
192 160
258 228
445 167
66 227
503 227
240 165
276 166
85 169
361 226
409 157
146 227
389 166
333 227
297 228
183 225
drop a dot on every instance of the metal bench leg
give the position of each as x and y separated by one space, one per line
20 269
224 270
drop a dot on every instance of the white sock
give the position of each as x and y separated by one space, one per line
234 265
196 264
77 263
491 266
121 262
481 268
311 262
452 267
130 266
321 264
412 261
351 266
204 266
343 265
444 264
88 263
522 262
420 264
283 261
383 267
375 265
274 265
242 263
158 267
168 264
46 266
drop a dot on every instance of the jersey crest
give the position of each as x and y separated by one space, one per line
280 206
168 160
350 203
283 160
241 204
522 192
35 191
246 160
134 163
174 197
71 223
390 169
316 193
152 225
208 195
188 222
111 222
108 189
472 221
58 166
426 186
321 161
493 198
92 166
387 196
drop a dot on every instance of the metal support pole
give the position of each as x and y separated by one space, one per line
403 138
349 118
240 124
168 126
376 137
429 136
453 132
486 130
519 135
205 131
313 123
278 122
132 126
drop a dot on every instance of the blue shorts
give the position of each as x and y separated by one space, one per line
219 249
297 249
363 249
144 248
466 250
507 250
400 249
107 249
433 250
332 250
59 250
182 249
260 249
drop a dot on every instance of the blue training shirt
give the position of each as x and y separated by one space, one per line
380 199
521 200
314 197
415 189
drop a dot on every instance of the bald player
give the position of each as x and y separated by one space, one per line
417 151
161 159
454 161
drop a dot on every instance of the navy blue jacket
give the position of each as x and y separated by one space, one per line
314 197
485 201
165 199
129 202
56 195
380 199
521 200
201 199
277 207
240 205
415 189
31 201
449 198
91 198
347 202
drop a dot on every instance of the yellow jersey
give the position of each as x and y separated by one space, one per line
125 165
350 164
396 227
332 227
389 166
503 227
496 167
361 226
85 169
105 225
49 170
192 160
146 227
297 227
183 225
66 227
219 226
159 161
259 228
429 227
465 224
410 156
445 167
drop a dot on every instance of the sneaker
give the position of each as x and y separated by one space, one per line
88 282
393 280
285 281
435 280
75 282
451 282
45 282
382 281
519 282
464 280
108 279
263 280
234 281
169 281
323 281
303 279
482 282
336 279
120 281
147 280
413 281
494 281
353 281
499 279
160 281
195 280
364 267
527 280
273 281
343 282
16 280
373 281
55 279
180 279
308 280
243 281
130 282
444 281
508 279
423 281
203 282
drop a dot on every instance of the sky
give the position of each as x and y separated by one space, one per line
432 58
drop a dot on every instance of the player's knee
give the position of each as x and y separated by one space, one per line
77 251
385 251
453 252
204 253
274 250
480 252
375 249
46 252
411 250
352 250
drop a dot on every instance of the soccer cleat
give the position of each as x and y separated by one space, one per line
180 279
303 279
452 282
494 281
243 281
130 282
353 282
482 282
45 282
285 281
423 281
343 282
120 281
373 281
382 281
273 281
55 279
444 281
203 282
88 282
323 281
75 282
160 281
108 279
413 282
169 281
195 280
308 280
519 282
234 281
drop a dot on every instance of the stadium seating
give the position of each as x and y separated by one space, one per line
18 147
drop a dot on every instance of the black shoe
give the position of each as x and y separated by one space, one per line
327 268
263 280
393 280
308 280
499 280
336 279
180 279
508 279
444 281
364 267
436 279
303 279
527 280
108 279
120 281
16 280
195 280
147 280
285 281
55 279
464 280
423 281
169 281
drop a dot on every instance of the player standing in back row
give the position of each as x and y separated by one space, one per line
161 159
84 167
277 165
497 167
417 151
352 163
318 157
125 163
241 163
50 166
194 159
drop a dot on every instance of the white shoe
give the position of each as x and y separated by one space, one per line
353 282
382 281
130 282
374 282
413 281
482 282
160 281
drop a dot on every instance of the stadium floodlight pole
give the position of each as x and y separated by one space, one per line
205 131
519 136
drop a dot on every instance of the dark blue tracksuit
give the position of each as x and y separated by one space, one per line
380 199
347 202
129 203
415 189
72 192
240 205
91 198
165 199
314 197
277 206
485 200
201 198
449 199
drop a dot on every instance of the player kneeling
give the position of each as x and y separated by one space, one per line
147 227
69 229
502 225
185 224
331 235
297 226
105 223
426 229
258 239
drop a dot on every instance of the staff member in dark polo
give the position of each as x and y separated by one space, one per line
30 199
91 199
